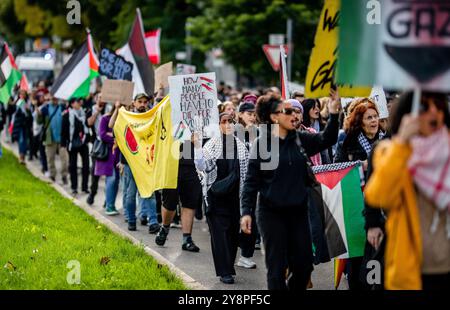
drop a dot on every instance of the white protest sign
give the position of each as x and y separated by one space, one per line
194 97
379 97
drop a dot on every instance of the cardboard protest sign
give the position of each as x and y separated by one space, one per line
162 76
379 97
408 47
118 90
194 99
114 66
323 60
185 69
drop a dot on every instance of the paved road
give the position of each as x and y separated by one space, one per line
200 265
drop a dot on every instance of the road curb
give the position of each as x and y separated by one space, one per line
187 280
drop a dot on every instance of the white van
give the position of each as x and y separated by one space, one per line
37 66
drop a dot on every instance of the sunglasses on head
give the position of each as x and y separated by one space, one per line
229 121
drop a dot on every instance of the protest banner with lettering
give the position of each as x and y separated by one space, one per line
408 48
379 97
323 61
146 142
114 66
118 90
194 99
162 74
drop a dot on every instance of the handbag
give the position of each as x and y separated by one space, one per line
228 184
100 150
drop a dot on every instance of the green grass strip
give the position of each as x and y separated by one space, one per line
41 232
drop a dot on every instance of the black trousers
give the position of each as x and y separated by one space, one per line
288 246
73 156
224 230
94 179
247 241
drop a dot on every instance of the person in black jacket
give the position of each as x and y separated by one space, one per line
282 211
223 162
74 137
362 131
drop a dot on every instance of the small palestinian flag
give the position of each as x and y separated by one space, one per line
75 78
341 201
9 73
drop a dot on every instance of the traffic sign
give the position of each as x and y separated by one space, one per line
273 54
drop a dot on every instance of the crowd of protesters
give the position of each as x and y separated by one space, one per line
407 194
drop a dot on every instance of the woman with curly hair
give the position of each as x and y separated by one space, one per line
362 130
282 210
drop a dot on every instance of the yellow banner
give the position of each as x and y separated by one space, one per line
323 60
146 141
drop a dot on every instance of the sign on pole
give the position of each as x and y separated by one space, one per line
194 99
118 90
273 55
114 66
379 97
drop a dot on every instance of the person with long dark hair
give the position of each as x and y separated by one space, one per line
284 180
411 180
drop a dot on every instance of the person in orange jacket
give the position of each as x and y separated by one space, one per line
411 180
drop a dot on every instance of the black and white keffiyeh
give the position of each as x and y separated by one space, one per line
213 151
341 166
366 144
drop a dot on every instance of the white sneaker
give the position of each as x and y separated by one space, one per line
245 262
47 174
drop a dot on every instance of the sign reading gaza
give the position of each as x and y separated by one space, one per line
416 44
114 66
194 100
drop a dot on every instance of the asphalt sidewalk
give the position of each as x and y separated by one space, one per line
196 269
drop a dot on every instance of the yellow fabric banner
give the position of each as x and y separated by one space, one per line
323 60
146 141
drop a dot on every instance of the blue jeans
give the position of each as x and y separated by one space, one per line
148 205
111 189
22 141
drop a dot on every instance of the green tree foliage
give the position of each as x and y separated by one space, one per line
241 27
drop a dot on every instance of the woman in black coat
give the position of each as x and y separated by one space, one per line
362 131
223 165
279 171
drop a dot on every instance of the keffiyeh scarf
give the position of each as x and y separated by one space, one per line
213 151
429 165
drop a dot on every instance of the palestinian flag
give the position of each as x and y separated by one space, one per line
9 73
135 51
341 202
75 78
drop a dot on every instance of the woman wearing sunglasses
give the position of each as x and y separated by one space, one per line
411 180
281 213
223 165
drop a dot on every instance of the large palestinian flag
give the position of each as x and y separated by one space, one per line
340 200
75 78
135 51
9 73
